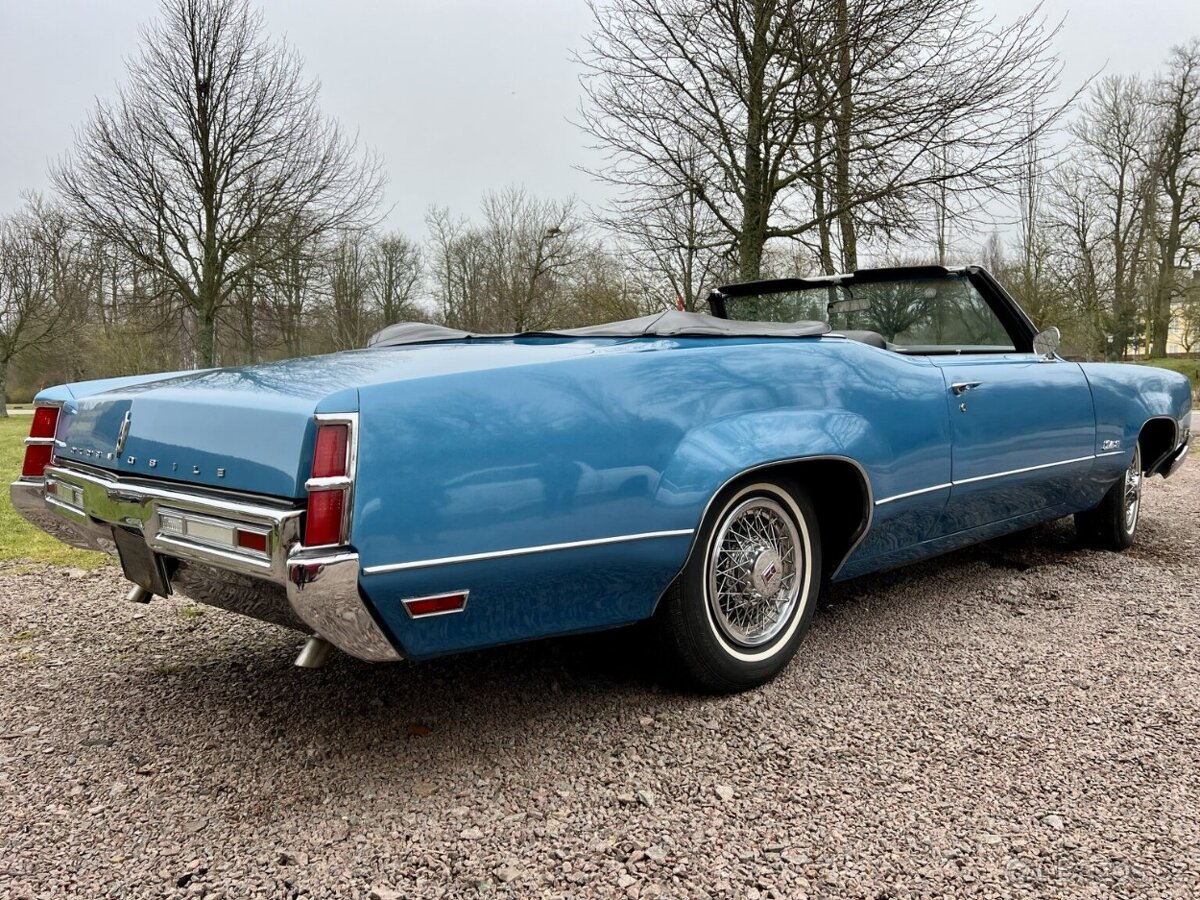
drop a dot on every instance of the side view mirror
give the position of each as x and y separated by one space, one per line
1046 341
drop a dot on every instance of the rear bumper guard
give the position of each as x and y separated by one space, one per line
81 508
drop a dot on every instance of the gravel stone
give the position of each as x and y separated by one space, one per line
1016 720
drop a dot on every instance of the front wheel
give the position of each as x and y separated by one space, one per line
747 594
1113 524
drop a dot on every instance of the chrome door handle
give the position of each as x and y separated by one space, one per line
961 387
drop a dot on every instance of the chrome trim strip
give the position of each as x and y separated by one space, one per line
465 594
1063 462
522 551
907 494
1112 453
940 487
330 483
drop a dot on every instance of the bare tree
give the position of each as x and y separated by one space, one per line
1176 169
702 98
214 159
811 114
43 280
350 277
513 271
457 270
1099 207
530 246
396 275
677 240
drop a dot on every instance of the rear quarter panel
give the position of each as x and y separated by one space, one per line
632 439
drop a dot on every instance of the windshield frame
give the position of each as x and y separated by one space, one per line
1016 323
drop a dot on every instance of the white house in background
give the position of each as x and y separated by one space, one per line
1177 331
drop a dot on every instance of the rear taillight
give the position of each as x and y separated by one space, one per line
39 446
329 455
45 422
326 521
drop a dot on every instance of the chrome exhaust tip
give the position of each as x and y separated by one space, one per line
138 594
314 653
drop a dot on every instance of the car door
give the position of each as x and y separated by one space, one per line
1022 426
1023 434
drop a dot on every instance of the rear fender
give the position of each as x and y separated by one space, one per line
776 444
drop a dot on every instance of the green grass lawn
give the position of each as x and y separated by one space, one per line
1188 367
18 539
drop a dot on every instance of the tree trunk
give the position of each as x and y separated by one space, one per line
1160 311
206 337
824 226
4 390
843 125
752 236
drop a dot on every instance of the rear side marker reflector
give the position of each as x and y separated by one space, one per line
437 605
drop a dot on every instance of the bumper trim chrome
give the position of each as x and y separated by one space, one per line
323 591
321 586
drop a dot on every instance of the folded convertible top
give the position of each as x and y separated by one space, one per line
672 323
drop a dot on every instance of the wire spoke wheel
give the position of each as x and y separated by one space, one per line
743 603
1113 523
1133 491
755 572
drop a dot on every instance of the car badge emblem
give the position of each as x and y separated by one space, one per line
123 433
1111 445
769 574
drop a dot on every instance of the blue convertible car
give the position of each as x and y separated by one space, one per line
441 491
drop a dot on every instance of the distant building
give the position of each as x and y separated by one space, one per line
1185 320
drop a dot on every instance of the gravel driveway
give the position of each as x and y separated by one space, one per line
1017 719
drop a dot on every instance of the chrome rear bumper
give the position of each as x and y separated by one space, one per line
317 589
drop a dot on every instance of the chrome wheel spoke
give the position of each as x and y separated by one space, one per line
753 583
1133 491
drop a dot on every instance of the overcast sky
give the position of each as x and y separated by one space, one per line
458 96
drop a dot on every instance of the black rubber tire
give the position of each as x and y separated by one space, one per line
699 655
1106 527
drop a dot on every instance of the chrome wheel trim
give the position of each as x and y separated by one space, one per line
1132 502
757 573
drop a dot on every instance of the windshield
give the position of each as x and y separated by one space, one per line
912 315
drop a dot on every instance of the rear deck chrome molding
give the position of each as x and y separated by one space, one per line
524 551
